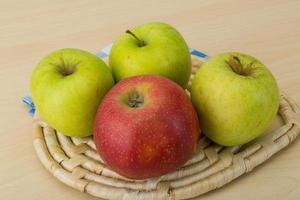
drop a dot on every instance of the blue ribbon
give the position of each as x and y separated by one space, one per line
28 101
198 53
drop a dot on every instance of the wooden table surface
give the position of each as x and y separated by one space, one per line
268 30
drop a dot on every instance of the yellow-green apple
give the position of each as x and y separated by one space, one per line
152 48
67 87
146 126
236 98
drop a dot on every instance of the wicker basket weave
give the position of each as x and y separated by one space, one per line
75 162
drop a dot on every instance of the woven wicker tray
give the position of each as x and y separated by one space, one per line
75 162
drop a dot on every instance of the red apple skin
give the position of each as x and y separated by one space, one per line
151 140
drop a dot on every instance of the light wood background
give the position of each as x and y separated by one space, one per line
268 30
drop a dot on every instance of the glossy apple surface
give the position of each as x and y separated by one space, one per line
236 98
67 87
152 48
146 126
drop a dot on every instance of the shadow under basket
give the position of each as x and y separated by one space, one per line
75 161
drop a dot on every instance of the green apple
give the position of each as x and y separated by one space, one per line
67 87
152 48
236 98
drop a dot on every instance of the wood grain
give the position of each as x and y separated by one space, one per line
268 30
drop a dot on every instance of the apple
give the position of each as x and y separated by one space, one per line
152 48
236 98
146 126
67 87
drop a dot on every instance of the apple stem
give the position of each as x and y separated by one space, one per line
141 43
135 100
237 67
65 68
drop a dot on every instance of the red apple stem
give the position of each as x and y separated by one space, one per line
135 100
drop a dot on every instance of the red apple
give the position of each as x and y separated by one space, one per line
146 126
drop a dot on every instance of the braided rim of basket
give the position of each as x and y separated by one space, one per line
75 162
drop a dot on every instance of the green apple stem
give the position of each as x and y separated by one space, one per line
237 67
141 43
65 68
